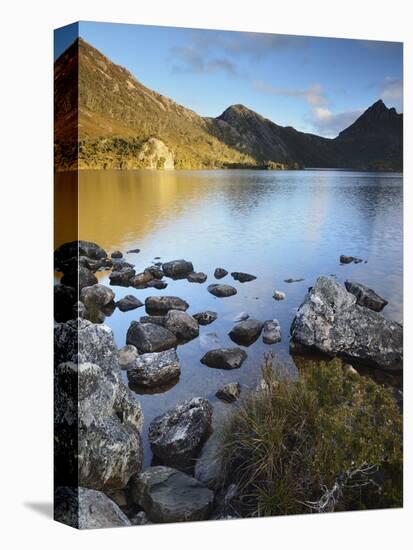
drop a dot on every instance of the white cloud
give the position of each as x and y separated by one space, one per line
392 92
313 95
330 124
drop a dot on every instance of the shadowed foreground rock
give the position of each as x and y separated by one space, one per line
177 435
331 322
224 358
87 509
366 296
168 495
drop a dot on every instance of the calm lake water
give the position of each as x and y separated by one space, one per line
275 225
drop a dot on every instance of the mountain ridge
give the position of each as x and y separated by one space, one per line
114 121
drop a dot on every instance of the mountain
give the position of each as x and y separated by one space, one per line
114 121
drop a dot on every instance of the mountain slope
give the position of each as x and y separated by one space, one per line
120 123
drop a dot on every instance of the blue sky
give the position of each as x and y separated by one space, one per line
318 85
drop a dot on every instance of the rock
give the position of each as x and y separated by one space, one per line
278 295
291 280
147 337
155 271
117 254
272 332
224 358
209 468
154 319
155 283
168 495
230 392
247 332
346 259
129 302
222 291
220 273
243 316
140 519
160 305
205 317
79 278
366 296
141 279
331 322
134 251
199 277
350 370
96 295
242 277
154 154
79 310
127 357
74 249
119 264
87 509
177 435
64 300
155 369
177 269
122 277
183 325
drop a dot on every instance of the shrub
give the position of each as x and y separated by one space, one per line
324 441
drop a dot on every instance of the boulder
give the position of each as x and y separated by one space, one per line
155 283
183 325
230 392
129 302
96 295
205 317
346 259
331 322
224 358
242 277
79 310
134 251
168 495
155 271
243 316
140 519
122 277
147 337
222 291
246 332
177 435
160 305
177 269
209 467
271 333
79 278
119 264
220 273
116 254
141 279
291 280
278 295
74 249
87 509
154 319
366 296
65 298
127 356
154 369
197 277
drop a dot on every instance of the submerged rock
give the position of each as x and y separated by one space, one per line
154 369
366 296
177 435
96 295
220 273
147 337
129 302
224 358
177 269
197 277
230 392
205 317
272 332
87 509
222 291
183 325
246 332
168 495
278 295
160 305
331 322
242 277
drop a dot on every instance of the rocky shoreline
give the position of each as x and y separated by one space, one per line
93 404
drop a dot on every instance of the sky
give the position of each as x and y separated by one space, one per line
318 85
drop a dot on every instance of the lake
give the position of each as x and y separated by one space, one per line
273 224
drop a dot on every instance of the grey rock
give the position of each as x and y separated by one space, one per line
155 369
154 319
246 332
243 316
224 358
278 295
87 509
74 249
168 495
177 435
183 325
230 392
177 269
220 273
197 277
134 251
222 291
79 278
122 277
205 317
96 295
140 519
129 302
155 283
346 259
160 305
242 277
331 322
155 271
116 254
147 337
79 310
209 468
271 332
119 264
366 296
292 280
141 279
127 356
